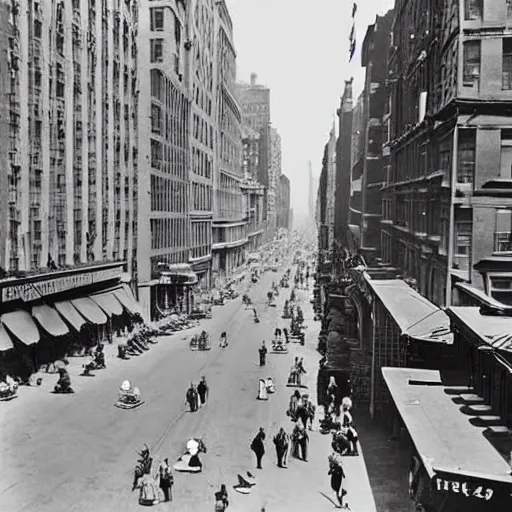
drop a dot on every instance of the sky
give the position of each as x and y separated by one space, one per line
300 50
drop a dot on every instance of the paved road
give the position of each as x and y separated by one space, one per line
76 453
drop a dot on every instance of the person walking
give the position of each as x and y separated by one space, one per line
192 398
166 480
281 442
202 390
258 447
337 474
221 499
311 410
263 354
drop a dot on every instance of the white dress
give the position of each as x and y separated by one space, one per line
263 394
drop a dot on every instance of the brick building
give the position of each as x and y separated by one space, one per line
447 204
369 165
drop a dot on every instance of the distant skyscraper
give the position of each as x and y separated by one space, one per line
312 194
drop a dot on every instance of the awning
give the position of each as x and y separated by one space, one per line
21 324
414 315
90 310
108 303
5 339
50 320
442 434
126 298
69 313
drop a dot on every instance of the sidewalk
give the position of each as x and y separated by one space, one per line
359 491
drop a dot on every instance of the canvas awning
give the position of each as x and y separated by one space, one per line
126 298
5 339
50 320
21 324
442 434
90 310
70 314
108 303
414 315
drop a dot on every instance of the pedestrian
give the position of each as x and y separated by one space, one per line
300 442
263 354
311 409
258 447
337 477
221 499
166 480
192 398
202 390
281 442
223 340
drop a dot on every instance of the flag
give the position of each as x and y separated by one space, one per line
354 10
352 49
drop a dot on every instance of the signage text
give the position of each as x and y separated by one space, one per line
465 488
35 290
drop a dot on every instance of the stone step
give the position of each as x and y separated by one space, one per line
499 430
480 409
471 398
488 420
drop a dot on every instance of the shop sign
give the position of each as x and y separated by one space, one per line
464 488
36 289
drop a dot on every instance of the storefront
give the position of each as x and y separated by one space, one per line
47 316
483 358
454 468
407 330
173 292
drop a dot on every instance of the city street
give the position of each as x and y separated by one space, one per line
77 453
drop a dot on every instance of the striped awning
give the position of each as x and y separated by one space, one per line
21 324
501 341
90 310
70 314
108 303
50 320
125 296
5 339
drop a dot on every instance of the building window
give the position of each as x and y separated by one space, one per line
445 226
506 74
157 19
157 50
509 9
156 118
463 236
473 9
471 70
445 155
503 231
466 161
156 154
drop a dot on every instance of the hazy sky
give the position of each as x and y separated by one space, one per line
299 49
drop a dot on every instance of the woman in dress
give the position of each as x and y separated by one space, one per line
337 476
294 404
348 425
262 391
149 488
221 499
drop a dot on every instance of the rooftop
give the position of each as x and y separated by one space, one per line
442 434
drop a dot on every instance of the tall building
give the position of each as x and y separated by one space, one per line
163 159
370 163
274 175
448 202
330 165
71 135
203 54
68 166
311 194
229 221
254 100
253 191
343 168
283 202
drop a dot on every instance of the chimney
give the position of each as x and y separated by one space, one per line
254 77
